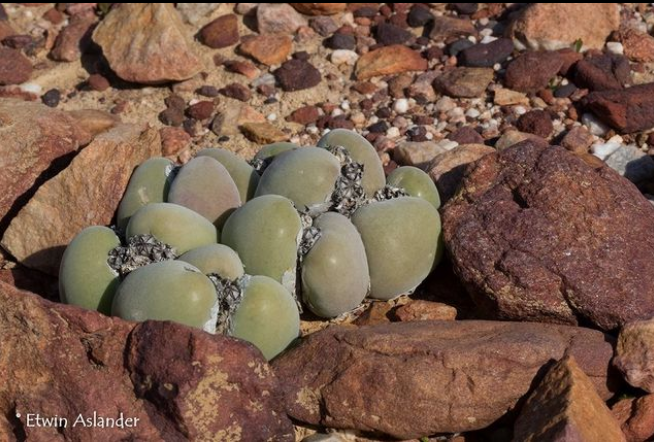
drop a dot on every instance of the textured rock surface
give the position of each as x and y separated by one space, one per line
636 416
33 136
74 38
464 82
319 8
628 110
268 49
182 384
537 234
15 68
147 43
416 378
86 193
533 71
389 60
447 169
565 407
554 26
635 354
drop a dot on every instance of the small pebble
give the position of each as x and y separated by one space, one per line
401 106
51 98
615 47
594 125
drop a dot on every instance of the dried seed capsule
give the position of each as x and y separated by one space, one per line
85 277
335 276
265 234
267 315
149 183
205 186
362 152
215 259
306 176
244 175
168 291
402 241
416 183
175 225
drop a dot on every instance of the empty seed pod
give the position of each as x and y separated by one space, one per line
362 152
149 183
306 176
262 312
85 277
245 176
205 186
265 234
402 241
175 225
335 275
215 259
416 183
168 291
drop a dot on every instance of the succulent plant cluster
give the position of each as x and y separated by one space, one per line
238 248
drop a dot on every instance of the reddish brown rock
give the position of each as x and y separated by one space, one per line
319 8
268 49
638 46
62 361
98 83
448 168
173 141
627 111
74 38
15 68
263 133
273 18
94 121
636 416
537 234
201 110
466 135
464 82
233 117
537 122
603 72
634 357
33 137
409 379
532 71
445 27
565 407
389 60
296 75
578 140
30 280
376 313
220 33
242 67
305 115
236 91
553 26
420 310
86 193
147 43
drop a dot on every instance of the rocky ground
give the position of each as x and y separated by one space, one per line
535 121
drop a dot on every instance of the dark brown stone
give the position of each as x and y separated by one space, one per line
464 82
236 91
295 75
537 122
62 361
532 71
444 28
603 72
15 68
486 55
537 234
466 135
565 407
201 110
305 115
98 83
409 379
220 33
420 310
627 111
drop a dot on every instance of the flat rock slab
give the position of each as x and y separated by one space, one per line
33 136
536 233
565 407
180 383
412 379
86 193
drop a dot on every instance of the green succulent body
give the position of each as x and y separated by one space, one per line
167 291
362 152
274 149
264 233
416 183
215 259
85 278
149 183
206 187
335 275
402 241
267 316
306 176
244 175
172 224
